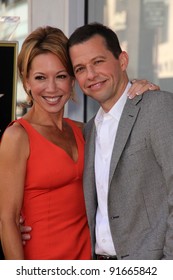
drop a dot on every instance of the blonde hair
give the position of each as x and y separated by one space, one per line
42 40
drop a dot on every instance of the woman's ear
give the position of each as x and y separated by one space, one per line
27 85
124 60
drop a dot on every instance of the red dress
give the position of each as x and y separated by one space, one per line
53 200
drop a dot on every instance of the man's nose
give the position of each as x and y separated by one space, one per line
91 73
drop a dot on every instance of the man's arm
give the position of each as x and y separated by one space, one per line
161 131
25 231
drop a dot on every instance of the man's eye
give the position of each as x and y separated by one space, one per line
98 61
79 69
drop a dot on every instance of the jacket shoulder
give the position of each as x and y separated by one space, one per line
88 126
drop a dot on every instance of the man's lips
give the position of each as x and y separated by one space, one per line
96 85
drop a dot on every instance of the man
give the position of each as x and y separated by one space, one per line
128 178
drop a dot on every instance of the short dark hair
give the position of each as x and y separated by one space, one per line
87 31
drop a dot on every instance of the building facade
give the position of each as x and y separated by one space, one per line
143 27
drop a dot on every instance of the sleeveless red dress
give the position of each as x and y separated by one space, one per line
53 202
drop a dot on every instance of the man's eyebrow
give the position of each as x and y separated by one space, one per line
77 65
94 58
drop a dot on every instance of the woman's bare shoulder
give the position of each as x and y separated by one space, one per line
14 131
15 136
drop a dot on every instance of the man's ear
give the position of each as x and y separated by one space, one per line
124 60
73 82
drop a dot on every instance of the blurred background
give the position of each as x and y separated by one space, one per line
143 27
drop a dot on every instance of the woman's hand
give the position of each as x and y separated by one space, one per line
140 86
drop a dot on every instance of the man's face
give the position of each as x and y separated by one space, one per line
99 74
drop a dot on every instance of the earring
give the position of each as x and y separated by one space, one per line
29 93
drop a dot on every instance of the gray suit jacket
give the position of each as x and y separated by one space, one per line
140 197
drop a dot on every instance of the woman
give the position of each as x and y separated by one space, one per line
41 159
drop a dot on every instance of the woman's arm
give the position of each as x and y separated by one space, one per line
140 86
14 151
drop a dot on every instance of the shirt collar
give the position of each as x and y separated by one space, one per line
116 110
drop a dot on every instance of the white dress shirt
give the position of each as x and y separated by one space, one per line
106 128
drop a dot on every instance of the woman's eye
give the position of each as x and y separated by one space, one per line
61 76
39 78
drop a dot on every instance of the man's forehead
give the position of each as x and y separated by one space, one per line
89 49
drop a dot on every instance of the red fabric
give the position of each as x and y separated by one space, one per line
53 200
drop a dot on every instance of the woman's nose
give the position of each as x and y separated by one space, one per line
51 85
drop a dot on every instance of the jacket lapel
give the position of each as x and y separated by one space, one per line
126 123
90 145
89 171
